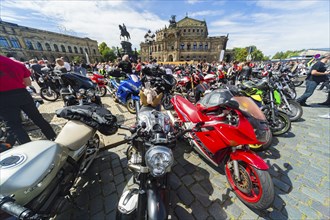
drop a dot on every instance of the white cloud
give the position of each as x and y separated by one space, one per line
192 2
206 12
97 20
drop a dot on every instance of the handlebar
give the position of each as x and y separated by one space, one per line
8 205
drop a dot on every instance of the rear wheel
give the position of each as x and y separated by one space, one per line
255 187
262 147
48 94
191 96
102 91
296 110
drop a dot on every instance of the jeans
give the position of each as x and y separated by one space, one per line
12 103
310 88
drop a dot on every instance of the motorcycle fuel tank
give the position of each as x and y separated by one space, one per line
27 170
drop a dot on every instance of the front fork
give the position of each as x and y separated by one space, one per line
271 96
285 100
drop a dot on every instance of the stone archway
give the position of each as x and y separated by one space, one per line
170 58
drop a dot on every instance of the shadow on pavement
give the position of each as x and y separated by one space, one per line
191 189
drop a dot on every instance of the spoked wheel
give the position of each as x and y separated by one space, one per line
282 124
262 147
48 94
131 106
101 91
296 110
255 187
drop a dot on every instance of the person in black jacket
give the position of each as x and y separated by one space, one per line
317 75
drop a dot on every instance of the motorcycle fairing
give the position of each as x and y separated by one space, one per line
135 97
188 112
249 157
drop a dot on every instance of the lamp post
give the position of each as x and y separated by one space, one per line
149 39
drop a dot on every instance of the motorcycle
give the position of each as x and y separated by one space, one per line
268 99
50 84
150 158
126 91
220 127
36 176
100 81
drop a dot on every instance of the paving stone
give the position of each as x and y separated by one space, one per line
325 211
111 215
190 168
277 215
179 170
293 212
185 195
206 184
217 211
183 214
198 211
187 180
98 216
175 182
119 179
310 213
96 205
200 194
314 194
108 188
110 203
234 211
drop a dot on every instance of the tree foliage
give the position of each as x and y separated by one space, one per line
108 54
287 54
241 53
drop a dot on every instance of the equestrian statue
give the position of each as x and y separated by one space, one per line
124 33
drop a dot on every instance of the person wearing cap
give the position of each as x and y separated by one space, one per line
317 75
14 98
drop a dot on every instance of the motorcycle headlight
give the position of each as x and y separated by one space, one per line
159 160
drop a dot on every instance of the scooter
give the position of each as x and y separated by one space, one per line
126 91
220 127
36 176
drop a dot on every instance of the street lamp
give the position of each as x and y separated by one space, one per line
149 39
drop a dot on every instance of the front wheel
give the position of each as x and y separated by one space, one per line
167 104
282 124
130 105
255 187
101 91
49 94
296 110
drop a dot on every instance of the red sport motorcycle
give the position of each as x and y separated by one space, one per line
220 127
99 79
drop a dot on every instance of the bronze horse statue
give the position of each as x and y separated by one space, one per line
124 33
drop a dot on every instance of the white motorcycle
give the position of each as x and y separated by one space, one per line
36 176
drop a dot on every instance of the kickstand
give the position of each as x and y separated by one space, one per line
71 200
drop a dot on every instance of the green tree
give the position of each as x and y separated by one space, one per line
108 54
77 59
240 54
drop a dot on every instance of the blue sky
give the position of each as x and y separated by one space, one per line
270 25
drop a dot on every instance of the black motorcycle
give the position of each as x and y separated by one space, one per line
50 84
150 159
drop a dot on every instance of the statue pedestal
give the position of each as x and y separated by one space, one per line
127 47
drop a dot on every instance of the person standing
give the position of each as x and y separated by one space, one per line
125 65
14 98
317 75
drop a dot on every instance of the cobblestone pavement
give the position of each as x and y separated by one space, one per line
299 166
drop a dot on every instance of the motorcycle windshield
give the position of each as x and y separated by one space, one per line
246 104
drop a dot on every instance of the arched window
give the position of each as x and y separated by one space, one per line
29 44
48 47
81 50
188 46
201 46
75 49
39 46
206 46
70 49
4 42
182 46
195 46
94 51
159 48
15 43
56 48
63 48
86 50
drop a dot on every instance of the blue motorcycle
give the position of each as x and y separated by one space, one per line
126 91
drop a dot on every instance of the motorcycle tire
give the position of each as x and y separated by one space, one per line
130 105
297 83
255 189
166 102
191 96
51 95
102 91
296 112
284 124
262 147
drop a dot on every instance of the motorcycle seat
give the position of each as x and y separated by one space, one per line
188 110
